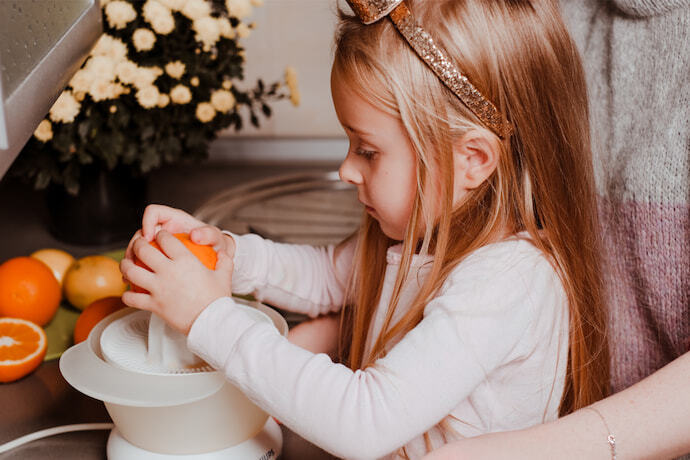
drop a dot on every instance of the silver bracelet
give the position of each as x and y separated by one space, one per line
611 439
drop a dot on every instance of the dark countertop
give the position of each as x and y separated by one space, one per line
43 399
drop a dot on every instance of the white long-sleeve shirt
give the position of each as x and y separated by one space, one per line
490 351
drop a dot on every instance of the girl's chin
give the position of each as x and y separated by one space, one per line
394 235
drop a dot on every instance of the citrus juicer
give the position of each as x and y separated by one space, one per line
164 401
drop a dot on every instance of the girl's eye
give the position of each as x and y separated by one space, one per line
366 154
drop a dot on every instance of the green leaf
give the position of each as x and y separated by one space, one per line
266 110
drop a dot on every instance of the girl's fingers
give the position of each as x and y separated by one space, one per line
154 216
207 234
159 217
149 255
128 251
137 275
224 265
142 301
171 246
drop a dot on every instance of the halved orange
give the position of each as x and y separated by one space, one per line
23 346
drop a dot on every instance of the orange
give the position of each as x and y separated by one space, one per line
91 278
92 314
56 259
28 290
204 253
23 345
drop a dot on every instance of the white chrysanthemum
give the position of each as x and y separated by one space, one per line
163 100
163 25
81 81
223 101
258 2
79 95
243 30
180 94
100 89
225 28
205 112
143 39
174 5
115 90
291 82
207 31
239 8
145 76
227 84
119 14
194 81
111 47
175 69
159 16
196 9
126 71
65 109
101 67
148 96
44 131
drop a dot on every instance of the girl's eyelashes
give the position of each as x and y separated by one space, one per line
366 154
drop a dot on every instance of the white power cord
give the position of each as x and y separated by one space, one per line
52 432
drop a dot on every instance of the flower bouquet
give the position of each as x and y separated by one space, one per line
158 86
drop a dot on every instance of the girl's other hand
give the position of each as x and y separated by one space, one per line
213 236
179 286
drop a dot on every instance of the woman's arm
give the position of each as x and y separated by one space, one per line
651 419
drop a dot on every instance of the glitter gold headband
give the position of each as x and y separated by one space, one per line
370 11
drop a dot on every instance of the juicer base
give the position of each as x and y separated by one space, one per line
266 445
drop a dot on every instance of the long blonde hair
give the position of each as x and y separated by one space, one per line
520 56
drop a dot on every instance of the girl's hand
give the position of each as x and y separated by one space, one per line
179 286
158 217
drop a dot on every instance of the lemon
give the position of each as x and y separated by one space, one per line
56 259
91 278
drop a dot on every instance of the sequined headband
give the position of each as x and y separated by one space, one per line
370 11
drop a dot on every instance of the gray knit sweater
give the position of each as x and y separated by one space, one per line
636 55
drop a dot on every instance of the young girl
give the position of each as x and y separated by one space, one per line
470 298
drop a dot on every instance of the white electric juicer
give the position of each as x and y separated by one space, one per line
165 402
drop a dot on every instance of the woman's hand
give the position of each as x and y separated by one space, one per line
179 286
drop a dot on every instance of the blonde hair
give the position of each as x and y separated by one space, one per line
520 56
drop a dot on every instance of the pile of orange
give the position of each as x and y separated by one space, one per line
31 289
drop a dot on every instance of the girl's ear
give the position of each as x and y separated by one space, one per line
475 157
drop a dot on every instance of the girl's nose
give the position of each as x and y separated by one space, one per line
349 172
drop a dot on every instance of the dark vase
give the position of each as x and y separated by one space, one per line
107 210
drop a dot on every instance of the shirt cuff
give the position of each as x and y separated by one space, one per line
245 273
217 329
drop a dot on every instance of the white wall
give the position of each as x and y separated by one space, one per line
298 33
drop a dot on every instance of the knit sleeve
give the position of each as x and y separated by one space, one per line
369 413
299 278
646 8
